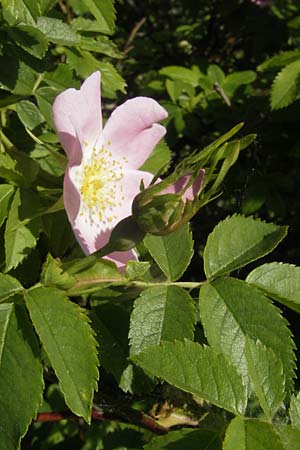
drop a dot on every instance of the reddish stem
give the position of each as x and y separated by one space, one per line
138 418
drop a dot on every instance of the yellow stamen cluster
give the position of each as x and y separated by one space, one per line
98 181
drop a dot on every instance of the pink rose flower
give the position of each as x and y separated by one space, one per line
102 176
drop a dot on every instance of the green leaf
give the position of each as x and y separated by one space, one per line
280 60
62 77
266 375
69 342
29 114
87 25
160 158
54 275
295 411
137 269
237 241
215 74
45 6
234 80
186 439
30 39
9 170
22 10
45 97
181 73
251 434
97 275
16 76
8 286
289 436
21 381
21 238
18 168
58 31
232 311
162 313
6 193
279 281
84 64
100 44
104 12
198 370
172 252
285 88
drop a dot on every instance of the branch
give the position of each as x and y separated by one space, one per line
128 416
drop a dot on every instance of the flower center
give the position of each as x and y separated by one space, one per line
98 179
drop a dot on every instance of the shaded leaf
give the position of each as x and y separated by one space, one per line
186 439
16 76
21 381
112 337
31 39
6 193
69 342
197 370
172 252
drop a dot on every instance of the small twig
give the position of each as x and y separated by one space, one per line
132 35
222 94
66 10
130 416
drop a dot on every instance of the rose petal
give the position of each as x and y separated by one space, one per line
77 117
93 236
132 131
122 258
71 198
191 192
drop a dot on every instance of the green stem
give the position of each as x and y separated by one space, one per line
38 82
183 284
140 284
6 142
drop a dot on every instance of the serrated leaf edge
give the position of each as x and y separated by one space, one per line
93 384
222 270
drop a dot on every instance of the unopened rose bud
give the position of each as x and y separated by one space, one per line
161 211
